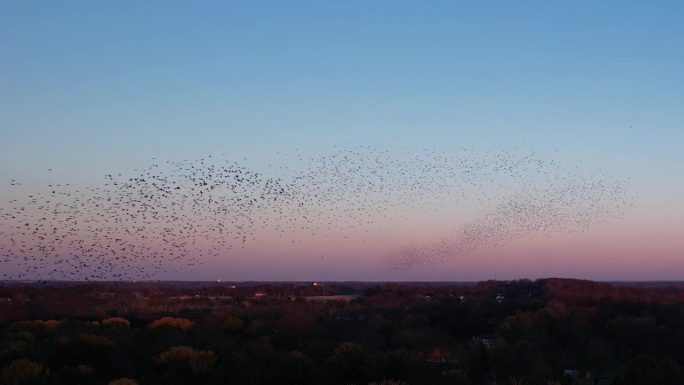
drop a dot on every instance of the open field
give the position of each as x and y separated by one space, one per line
325 298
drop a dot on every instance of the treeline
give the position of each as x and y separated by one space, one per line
553 331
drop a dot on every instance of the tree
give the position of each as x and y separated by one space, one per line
349 364
396 364
183 364
122 381
90 349
116 322
297 320
651 370
23 372
502 360
174 322
388 382
600 360
74 375
298 368
479 363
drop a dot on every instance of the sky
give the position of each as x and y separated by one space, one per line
95 88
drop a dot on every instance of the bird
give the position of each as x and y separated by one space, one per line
175 214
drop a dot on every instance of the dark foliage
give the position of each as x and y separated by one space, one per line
553 331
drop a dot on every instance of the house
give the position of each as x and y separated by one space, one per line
487 339
574 373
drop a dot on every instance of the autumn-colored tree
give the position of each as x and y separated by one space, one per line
23 372
123 381
232 323
297 319
183 364
116 322
298 368
85 348
173 322
258 360
349 364
388 382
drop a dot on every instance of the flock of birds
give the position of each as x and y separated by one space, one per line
176 214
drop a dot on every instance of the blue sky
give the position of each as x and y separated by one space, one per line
89 88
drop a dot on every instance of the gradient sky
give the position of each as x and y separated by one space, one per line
92 88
